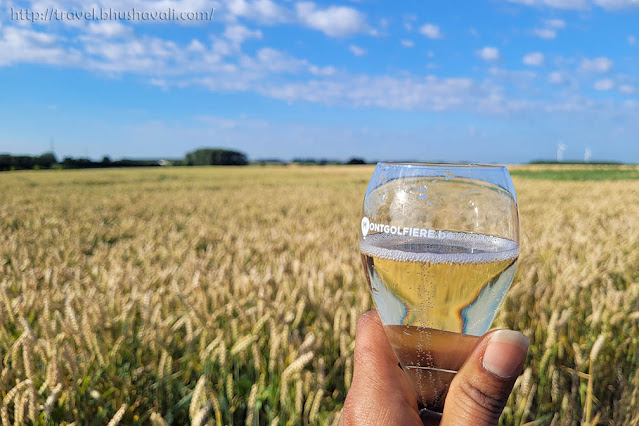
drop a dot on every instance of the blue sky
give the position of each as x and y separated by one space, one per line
489 81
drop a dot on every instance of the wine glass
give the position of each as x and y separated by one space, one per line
439 246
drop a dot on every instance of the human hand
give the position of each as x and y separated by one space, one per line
381 393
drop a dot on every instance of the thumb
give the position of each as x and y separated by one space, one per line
480 390
380 393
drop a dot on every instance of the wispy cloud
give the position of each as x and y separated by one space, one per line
24 45
533 59
262 11
627 89
549 28
238 33
356 50
431 31
558 4
545 33
580 4
604 84
617 4
557 77
109 29
489 54
599 65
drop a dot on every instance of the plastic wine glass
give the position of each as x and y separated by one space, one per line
439 246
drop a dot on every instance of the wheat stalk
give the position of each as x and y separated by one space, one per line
118 416
594 352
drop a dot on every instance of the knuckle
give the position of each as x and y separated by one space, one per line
485 399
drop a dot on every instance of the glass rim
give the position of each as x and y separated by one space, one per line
440 165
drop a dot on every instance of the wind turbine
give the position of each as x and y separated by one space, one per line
587 155
560 152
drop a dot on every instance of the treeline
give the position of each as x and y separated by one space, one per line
24 162
50 161
85 163
200 157
325 162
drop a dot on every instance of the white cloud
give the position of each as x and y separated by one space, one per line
632 40
580 4
408 43
604 84
431 31
411 92
557 77
558 4
322 71
519 78
356 50
144 55
108 28
334 21
239 33
548 30
264 11
525 2
534 59
627 89
545 33
196 46
599 65
159 82
23 45
277 61
567 4
489 54
617 4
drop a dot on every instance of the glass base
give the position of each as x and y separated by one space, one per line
431 385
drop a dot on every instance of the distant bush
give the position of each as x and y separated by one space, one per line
215 157
356 161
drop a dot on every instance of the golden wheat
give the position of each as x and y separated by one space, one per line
231 295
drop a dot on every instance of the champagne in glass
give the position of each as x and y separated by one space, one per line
439 246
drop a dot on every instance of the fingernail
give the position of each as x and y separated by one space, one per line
505 352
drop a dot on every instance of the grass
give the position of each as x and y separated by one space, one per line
231 295
583 173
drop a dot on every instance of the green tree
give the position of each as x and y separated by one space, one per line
215 157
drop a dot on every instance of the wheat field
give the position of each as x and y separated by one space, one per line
231 295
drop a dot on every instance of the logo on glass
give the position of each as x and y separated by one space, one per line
365 225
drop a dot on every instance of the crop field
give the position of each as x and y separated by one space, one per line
231 295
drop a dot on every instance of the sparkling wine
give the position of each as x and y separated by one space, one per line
434 295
